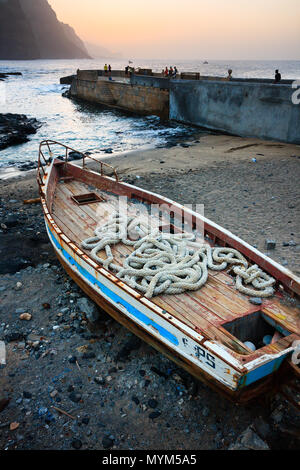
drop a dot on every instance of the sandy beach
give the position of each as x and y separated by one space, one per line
248 186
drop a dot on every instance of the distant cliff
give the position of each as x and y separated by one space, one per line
29 29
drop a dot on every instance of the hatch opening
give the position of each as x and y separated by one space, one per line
88 198
254 328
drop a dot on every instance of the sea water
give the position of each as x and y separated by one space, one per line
83 126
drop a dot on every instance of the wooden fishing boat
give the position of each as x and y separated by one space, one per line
205 331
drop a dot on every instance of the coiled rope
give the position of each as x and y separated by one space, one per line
163 263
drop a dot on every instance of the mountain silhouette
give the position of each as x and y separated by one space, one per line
29 29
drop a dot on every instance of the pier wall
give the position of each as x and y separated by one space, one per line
249 109
137 99
245 107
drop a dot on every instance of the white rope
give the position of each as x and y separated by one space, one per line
162 263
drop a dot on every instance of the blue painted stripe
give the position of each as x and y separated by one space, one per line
262 371
114 297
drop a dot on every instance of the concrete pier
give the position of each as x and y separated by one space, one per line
119 93
244 107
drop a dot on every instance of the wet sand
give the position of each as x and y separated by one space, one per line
256 200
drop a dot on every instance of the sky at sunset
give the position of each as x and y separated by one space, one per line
188 29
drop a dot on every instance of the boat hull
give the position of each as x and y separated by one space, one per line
265 385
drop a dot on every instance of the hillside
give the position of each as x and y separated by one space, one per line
29 29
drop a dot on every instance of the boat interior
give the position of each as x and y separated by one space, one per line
79 203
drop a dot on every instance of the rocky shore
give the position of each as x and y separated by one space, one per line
75 378
15 128
4 76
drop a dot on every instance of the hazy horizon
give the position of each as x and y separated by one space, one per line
219 30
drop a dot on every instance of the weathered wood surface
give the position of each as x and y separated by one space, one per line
205 310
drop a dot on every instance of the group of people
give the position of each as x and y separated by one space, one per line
171 72
107 68
129 70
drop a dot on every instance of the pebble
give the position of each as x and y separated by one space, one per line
14 426
154 414
107 442
135 400
290 243
152 403
72 359
25 316
99 380
42 411
76 444
270 244
75 397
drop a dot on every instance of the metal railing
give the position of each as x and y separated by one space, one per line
43 161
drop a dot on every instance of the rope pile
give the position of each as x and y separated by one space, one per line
163 263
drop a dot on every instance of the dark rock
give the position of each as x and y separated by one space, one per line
76 444
88 355
75 397
72 359
290 243
27 394
135 400
152 403
249 440
4 403
13 336
131 345
14 129
85 420
262 428
159 372
12 221
154 414
74 156
90 309
277 415
99 380
270 244
107 442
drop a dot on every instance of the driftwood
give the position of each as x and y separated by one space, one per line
32 201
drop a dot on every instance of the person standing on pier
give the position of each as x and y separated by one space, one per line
105 69
229 76
277 76
166 72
